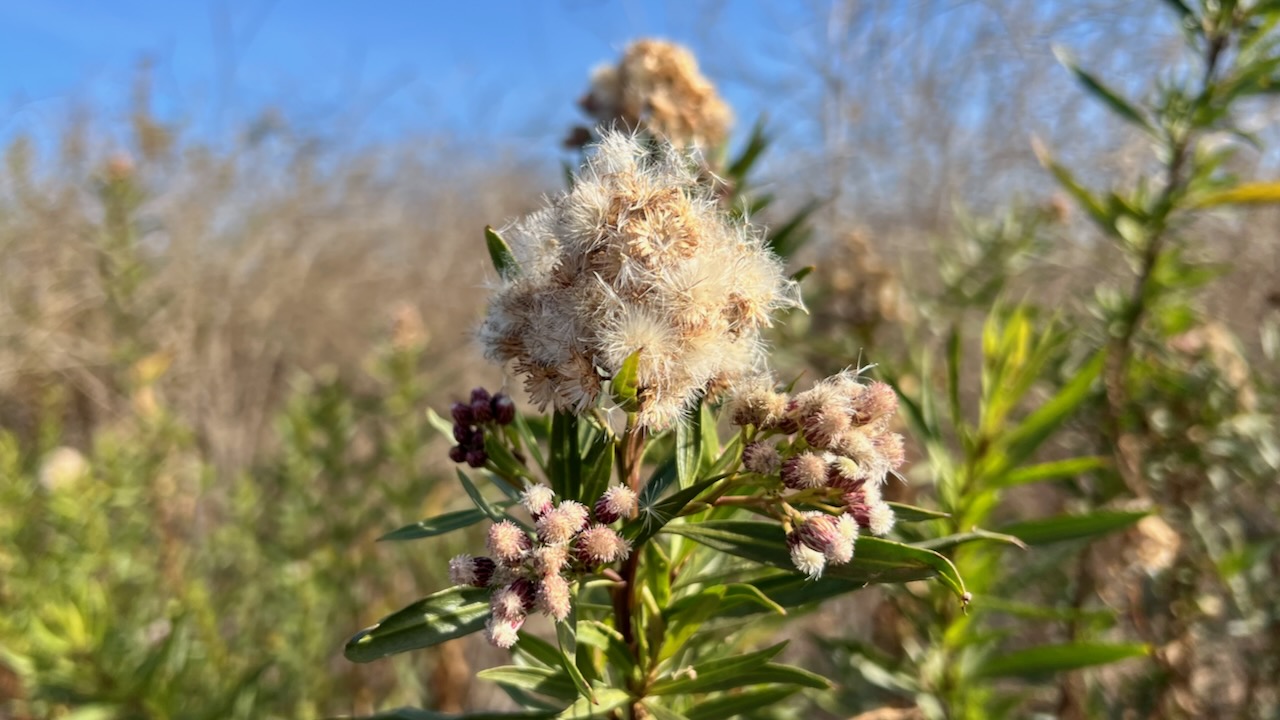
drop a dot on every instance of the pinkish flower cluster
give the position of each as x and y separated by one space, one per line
830 442
533 570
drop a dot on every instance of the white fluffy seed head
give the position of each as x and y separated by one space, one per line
537 499
638 256
555 598
503 632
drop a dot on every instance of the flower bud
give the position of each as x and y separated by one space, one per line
555 598
804 472
503 409
476 441
514 600
599 545
474 571
880 519
761 458
619 501
537 499
876 403
845 474
476 458
503 632
890 448
480 405
561 523
462 434
824 424
461 413
550 559
508 543
458 454
806 559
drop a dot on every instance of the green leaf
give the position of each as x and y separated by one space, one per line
538 650
654 517
1055 470
416 714
474 493
792 590
684 618
438 525
432 620
1020 443
545 681
500 253
710 675
874 560
602 637
565 466
1095 87
597 468
607 701
731 706
786 240
756 144
567 635
1072 527
911 513
626 383
1048 659
689 449
977 534
661 712
739 593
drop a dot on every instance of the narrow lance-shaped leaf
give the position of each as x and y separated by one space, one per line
438 525
1071 527
432 620
626 383
1253 193
874 560
689 449
500 253
1109 97
1048 659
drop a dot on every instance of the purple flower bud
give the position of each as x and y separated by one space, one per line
599 545
761 458
514 600
476 441
480 405
508 543
807 560
876 403
474 571
560 524
537 499
555 598
476 458
619 501
462 434
503 408
461 413
804 472
458 454
503 632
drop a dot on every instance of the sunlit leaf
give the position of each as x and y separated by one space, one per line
432 620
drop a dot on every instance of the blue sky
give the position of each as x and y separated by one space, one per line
364 70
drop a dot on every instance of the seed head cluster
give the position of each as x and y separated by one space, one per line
832 441
530 572
657 86
636 258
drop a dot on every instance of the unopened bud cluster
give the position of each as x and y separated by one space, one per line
469 420
637 257
534 571
832 441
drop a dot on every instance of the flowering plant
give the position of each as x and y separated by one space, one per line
632 307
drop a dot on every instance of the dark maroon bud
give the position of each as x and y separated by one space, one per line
504 409
462 434
462 414
480 405
484 569
457 453
476 458
527 591
476 441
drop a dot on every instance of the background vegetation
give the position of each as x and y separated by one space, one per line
215 359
